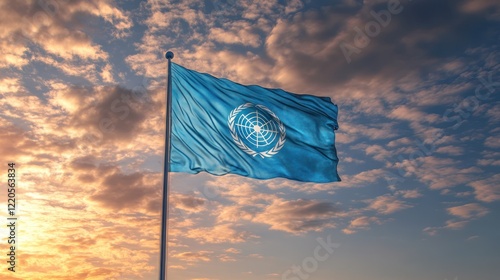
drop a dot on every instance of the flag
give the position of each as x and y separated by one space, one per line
221 127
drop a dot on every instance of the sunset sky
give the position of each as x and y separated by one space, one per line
82 115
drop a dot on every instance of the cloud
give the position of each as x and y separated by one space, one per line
223 233
488 162
10 85
360 223
492 142
226 258
13 141
232 251
409 193
463 213
494 114
261 8
413 115
126 191
107 74
379 153
236 213
490 8
254 206
468 211
236 32
449 225
455 225
120 20
52 32
39 22
304 187
487 190
298 216
404 141
293 6
187 202
450 150
88 70
363 178
386 204
307 52
106 113
438 173
181 267
86 245
473 237
432 231
242 191
194 256
205 30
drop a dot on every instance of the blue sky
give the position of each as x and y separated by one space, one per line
417 85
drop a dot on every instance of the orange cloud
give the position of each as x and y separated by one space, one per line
223 233
298 216
467 211
387 204
487 190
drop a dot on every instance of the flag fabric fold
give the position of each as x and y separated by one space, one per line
221 127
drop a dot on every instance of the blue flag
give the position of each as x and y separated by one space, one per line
221 127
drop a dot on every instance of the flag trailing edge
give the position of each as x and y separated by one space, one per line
222 127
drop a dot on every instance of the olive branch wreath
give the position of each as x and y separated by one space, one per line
279 145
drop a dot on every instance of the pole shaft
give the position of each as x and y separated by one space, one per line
166 171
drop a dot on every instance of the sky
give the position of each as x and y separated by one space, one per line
82 116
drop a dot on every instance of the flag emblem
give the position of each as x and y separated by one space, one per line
256 130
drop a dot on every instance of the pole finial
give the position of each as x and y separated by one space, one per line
169 55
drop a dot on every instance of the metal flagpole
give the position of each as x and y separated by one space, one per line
164 214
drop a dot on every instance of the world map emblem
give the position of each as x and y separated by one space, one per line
256 130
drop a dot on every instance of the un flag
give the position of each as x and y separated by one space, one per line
221 127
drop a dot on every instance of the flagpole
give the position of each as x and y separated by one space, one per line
166 170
